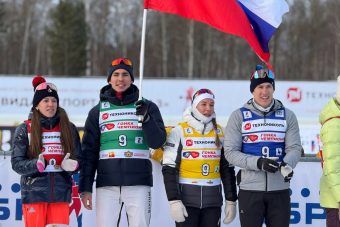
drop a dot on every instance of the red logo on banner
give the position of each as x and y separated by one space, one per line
247 126
189 142
190 92
195 154
105 116
253 137
294 94
110 126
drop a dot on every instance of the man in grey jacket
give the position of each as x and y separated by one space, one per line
263 139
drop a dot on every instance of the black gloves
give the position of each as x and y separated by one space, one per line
142 109
267 165
286 171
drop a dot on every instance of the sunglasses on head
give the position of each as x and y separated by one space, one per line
263 73
119 61
202 91
44 86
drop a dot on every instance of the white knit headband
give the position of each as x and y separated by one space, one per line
200 97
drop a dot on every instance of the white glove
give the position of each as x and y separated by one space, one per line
178 211
41 163
286 171
69 164
230 211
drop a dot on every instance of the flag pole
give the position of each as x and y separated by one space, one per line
141 62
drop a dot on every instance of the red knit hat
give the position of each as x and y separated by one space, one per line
43 90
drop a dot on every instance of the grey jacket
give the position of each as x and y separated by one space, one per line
250 177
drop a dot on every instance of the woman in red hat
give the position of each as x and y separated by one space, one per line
44 148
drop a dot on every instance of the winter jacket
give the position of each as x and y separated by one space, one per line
330 138
198 196
250 177
35 186
118 172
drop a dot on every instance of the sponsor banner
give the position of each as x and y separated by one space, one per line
118 114
305 207
201 154
264 137
123 153
79 95
270 125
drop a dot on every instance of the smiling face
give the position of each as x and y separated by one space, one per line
120 80
206 107
263 94
48 106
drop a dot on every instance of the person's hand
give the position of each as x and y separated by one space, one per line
68 164
230 211
41 163
178 211
86 199
142 109
286 171
267 164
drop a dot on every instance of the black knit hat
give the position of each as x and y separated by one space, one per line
43 90
120 63
261 76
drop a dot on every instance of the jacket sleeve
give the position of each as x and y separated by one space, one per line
228 178
90 151
233 144
171 161
293 146
19 158
154 129
76 141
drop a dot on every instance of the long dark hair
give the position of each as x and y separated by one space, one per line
66 136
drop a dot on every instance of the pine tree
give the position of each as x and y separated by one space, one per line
67 38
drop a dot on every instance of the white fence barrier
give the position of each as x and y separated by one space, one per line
306 211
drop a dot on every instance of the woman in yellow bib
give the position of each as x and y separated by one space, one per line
194 168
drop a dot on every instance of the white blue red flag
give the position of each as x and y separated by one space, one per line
253 20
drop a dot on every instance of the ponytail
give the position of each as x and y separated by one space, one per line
217 139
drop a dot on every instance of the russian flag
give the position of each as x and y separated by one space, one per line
265 17
253 20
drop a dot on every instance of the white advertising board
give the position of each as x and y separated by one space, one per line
78 95
305 207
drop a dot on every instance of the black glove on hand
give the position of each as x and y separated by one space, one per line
267 165
142 109
286 171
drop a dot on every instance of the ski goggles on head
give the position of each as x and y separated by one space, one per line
119 61
263 73
45 85
202 91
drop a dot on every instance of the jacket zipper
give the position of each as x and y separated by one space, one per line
201 197
264 121
205 125
52 187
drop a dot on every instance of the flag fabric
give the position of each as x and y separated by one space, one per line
253 20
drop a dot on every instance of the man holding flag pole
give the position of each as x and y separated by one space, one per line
116 146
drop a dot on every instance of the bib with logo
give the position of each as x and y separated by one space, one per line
200 157
52 149
121 137
264 136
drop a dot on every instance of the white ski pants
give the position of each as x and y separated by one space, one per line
137 203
